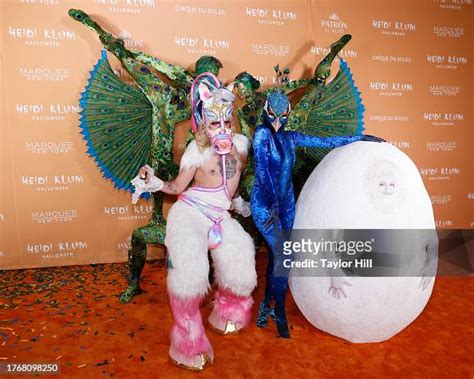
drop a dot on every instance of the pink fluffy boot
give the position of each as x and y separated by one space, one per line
190 347
231 313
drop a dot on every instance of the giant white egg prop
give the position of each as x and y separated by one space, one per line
364 185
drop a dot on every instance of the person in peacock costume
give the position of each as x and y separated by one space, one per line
327 116
127 127
314 117
273 199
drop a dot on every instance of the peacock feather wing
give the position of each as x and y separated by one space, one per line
332 110
116 123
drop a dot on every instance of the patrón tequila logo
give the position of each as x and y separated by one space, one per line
129 41
334 24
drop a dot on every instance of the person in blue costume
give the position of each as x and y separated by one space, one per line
272 198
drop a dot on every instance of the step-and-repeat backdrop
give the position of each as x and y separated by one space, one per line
410 59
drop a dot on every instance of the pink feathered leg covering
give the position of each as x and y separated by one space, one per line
188 338
230 307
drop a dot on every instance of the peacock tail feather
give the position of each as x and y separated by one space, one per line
332 110
116 124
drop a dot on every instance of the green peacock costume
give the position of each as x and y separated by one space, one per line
324 110
128 126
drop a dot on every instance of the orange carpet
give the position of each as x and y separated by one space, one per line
72 316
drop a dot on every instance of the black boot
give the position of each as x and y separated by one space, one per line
279 315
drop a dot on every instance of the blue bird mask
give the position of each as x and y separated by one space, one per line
277 110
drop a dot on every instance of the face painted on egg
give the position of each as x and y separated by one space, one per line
383 186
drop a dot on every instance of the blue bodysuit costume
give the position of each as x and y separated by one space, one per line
272 198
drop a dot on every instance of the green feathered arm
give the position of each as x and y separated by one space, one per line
328 110
332 110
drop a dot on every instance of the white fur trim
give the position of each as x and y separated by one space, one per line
234 259
241 143
186 242
193 157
